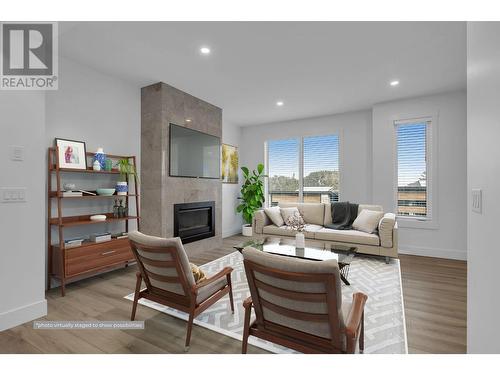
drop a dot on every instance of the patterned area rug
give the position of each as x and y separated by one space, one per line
385 330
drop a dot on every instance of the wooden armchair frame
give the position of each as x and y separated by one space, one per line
295 339
186 302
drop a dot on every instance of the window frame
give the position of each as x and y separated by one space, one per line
300 139
419 222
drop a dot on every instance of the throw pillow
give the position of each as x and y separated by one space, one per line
295 222
289 211
367 221
198 274
274 214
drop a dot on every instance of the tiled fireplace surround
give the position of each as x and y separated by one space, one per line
161 105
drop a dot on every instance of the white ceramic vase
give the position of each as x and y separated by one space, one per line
246 230
300 240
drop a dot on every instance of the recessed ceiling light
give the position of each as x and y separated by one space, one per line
394 83
279 103
205 50
188 120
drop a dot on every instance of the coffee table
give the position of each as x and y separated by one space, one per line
286 247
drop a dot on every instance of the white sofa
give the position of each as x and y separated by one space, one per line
317 215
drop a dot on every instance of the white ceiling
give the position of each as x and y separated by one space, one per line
315 68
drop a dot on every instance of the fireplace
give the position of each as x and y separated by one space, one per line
194 221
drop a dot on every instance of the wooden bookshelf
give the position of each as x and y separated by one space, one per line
67 264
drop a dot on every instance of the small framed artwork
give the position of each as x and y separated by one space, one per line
229 161
72 154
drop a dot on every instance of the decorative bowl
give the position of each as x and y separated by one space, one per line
98 217
104 191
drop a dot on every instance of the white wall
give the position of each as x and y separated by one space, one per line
448 236
483 133
22 256
104 112
354 129
231 221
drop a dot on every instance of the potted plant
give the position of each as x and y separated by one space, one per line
126 169
252 196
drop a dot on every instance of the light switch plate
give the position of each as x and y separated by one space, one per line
16 153
477 200
13 195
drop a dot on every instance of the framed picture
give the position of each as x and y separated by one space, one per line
72 154
229 162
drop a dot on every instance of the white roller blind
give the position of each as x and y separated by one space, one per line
413 140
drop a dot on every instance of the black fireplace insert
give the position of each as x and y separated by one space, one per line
194 221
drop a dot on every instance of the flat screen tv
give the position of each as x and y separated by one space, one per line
193 153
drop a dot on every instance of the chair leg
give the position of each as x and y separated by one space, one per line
230 292
362 335
136 295
189 329
246 329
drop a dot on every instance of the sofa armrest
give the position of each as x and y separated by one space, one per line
260 220
386 230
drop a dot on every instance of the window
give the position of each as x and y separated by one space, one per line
321 169
283 171
303 169
413 188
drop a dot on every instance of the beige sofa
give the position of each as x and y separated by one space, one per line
316 215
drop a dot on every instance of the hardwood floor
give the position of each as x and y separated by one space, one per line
434 295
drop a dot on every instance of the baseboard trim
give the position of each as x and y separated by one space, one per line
231 232
433 252
23 314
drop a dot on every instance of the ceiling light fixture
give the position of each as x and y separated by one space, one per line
188 120
394 83
279 103
205 50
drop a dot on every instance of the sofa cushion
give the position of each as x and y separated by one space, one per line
309 230
367 221
371 207
286 212
274 213
350 236
313 213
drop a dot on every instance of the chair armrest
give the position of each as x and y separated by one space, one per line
385 229
226 271
355 316
247 303
260 220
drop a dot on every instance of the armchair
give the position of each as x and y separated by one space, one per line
164 267
298 304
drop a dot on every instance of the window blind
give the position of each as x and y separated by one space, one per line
321 169
283 171
413 138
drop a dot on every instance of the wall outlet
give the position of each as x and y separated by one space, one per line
13 195
477 200
16 153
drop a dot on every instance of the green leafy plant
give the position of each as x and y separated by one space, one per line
126 169
252 192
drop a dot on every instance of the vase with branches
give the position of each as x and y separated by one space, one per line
252 195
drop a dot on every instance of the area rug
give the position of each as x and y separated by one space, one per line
385 330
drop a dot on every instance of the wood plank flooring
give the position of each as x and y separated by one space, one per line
434 295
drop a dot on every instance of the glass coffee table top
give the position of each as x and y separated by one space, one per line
286 247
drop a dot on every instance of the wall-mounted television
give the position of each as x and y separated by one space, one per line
193 153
